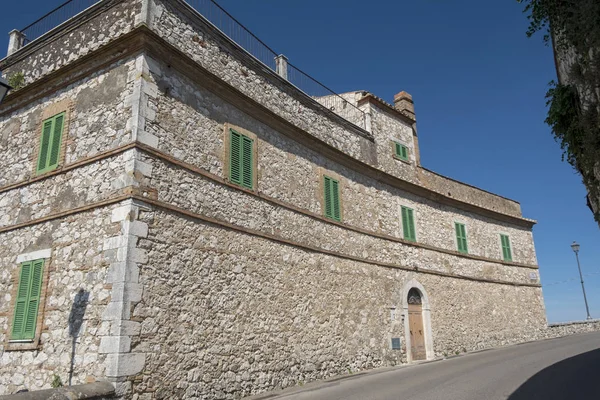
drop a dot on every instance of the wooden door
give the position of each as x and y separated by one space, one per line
415 324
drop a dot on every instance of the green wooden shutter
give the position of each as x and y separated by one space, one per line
461 237
404 154
408 224
335 195
405 227
247 162
44 145
327 197
52 132
398 149
401 151
506 251
34 299
235 160
241 160
331 196
56 140
21 301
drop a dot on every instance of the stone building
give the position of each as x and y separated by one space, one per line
179 218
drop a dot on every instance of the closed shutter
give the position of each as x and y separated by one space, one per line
44 145
52 132
21 301
247 180
401 151
331 196
335 195
34 299
235 161
327 197
56 140
461 238
241 160
28 300
408 224
506 251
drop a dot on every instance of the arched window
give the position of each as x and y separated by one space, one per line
414 296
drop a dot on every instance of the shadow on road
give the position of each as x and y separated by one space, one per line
573 378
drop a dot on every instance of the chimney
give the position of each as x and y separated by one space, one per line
403 102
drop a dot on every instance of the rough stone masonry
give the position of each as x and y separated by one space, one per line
166 276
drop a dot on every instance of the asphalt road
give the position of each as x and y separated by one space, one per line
565 368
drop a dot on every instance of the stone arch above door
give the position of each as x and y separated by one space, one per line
426 310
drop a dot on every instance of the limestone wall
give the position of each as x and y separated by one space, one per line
96 122
76 263
190 123
227 314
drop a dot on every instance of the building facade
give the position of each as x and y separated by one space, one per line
178 218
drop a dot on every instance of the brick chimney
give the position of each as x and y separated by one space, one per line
403 102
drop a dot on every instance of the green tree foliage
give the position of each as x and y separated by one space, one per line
573 27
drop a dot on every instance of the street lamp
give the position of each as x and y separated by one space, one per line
575 247
4 88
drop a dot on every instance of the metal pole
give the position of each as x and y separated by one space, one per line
587 309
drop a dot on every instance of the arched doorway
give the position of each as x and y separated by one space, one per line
415 325
417 322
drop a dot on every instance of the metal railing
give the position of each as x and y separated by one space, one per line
237 32
54 18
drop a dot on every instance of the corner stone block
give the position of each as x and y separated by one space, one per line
116 310
124 364
123 272
114 344
130 328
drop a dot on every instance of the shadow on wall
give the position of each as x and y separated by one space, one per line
75 321
573 378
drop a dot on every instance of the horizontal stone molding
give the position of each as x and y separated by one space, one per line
66 213
68 167
275 238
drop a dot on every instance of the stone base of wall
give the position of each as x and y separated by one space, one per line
90 391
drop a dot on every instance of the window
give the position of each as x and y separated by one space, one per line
401 151
28 299
408 224
241 159
49 154
461 237
332 198
506 253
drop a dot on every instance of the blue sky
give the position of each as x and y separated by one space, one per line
478 84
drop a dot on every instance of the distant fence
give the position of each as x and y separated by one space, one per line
55 17
237 32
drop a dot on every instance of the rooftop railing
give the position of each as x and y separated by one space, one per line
54 18
237 32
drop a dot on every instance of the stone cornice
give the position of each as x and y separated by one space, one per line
142 39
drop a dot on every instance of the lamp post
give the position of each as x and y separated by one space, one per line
575 247
4 88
